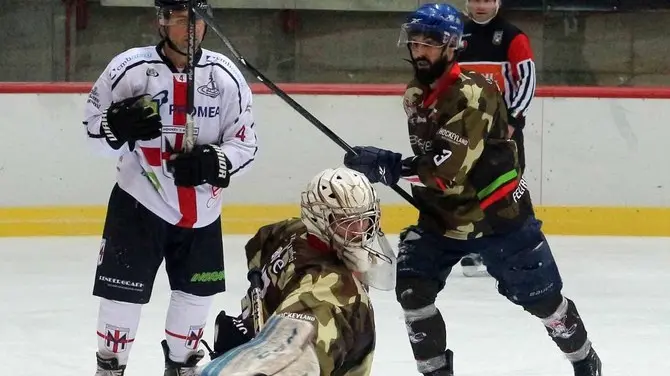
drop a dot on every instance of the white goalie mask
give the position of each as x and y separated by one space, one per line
341 208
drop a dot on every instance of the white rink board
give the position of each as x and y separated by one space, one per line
580 151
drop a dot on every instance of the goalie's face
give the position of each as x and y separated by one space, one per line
352 230
175 24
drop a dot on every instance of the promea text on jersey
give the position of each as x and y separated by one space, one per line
198 111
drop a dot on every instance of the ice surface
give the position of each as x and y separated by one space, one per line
48 315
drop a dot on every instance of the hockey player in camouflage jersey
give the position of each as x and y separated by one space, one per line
315 269
466 181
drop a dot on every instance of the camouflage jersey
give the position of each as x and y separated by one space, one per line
465 173
301 275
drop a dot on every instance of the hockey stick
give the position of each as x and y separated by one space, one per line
255 293
281 94
189 136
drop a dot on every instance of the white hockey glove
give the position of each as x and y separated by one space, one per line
284 347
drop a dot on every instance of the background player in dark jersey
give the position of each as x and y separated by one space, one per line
467 186
315 269
499 50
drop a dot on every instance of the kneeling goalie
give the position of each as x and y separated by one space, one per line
315 272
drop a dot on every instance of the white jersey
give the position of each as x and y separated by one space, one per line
223 116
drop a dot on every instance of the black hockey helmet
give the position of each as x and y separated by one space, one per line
164 8
176 4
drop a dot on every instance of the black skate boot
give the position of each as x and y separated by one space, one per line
590 366
187 368
109 367
447 370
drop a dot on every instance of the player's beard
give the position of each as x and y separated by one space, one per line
426 72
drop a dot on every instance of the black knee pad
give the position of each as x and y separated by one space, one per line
528 276
415 293
544 307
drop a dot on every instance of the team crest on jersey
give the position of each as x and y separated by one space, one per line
497 37
210 89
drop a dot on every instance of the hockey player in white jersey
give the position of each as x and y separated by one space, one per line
167 202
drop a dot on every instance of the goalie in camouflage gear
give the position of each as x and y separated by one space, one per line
471 198
315 272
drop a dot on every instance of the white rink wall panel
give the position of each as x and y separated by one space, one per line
580 151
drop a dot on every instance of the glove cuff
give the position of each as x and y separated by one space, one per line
112 140
221 175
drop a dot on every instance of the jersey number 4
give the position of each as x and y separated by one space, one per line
240 134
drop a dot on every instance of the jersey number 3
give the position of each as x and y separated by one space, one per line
440 158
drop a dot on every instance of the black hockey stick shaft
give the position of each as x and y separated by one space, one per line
255 293
290 101
189 131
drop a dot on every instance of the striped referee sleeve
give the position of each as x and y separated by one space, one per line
520 56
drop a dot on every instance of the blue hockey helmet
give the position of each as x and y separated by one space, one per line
439 24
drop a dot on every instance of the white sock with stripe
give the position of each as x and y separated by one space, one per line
185 323
117 326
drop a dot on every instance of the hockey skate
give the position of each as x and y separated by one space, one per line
590 366
109 367
188 368
473 266
447 370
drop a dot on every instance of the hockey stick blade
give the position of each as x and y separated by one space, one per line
290 101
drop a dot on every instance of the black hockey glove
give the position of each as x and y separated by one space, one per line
230 332
378 165
204 164
130 120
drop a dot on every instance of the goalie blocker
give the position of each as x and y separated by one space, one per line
316 271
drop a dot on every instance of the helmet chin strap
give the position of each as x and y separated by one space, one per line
168 41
